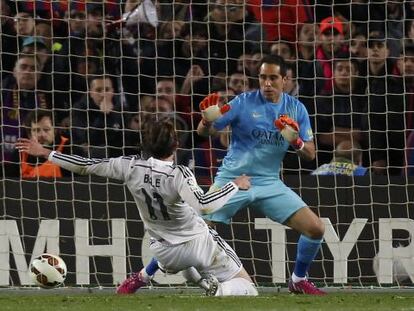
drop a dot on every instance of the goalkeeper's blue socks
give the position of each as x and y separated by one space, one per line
306 253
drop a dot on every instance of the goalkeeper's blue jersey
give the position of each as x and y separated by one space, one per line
257 148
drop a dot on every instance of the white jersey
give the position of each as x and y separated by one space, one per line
168 197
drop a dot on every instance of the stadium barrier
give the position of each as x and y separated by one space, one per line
95 227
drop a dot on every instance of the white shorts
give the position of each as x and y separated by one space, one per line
208 253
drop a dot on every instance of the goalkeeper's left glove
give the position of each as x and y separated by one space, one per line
290 131
210 109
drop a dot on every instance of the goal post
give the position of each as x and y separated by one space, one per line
99 69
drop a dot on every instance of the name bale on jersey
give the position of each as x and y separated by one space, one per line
148 180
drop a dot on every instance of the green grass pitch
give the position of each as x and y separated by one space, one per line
363 301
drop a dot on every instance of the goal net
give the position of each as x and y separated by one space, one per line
83 76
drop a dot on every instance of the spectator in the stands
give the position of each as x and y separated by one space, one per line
389 17
238 82
44 30
347 161
331 44
249 64
339 111
161 107
291 86
8 43
49 76
36 46
409 35
97 119
24 24
170 30
183 10
285 50
406 71
409 9
77 23
232 32
168 103
120 59
193 48
385 124
40 127
359 50
281 18
19 97
132 133
180 102
405 67
185 58
308 68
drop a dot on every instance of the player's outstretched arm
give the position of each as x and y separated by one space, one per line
210 111
112 168
289 129
211 201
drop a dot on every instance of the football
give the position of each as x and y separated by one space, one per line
48 271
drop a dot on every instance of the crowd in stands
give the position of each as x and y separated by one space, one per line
351 64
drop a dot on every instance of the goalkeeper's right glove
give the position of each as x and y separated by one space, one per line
210 109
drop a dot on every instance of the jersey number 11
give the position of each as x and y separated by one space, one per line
160 204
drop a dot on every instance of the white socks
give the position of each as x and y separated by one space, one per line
144 275
296 279
237 287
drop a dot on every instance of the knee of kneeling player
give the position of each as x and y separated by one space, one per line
317 230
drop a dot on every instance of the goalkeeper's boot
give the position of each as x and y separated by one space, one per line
213 285
305 287
131 284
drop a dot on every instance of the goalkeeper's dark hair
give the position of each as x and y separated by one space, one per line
275 60
159 139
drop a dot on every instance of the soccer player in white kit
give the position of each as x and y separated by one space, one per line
169 201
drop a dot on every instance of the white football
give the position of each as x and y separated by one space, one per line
48 271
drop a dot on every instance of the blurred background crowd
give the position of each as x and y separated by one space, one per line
83 75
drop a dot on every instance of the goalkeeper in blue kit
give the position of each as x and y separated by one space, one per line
264 123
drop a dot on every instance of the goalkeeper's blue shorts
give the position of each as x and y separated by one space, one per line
272 198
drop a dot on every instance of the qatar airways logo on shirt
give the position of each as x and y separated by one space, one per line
266 137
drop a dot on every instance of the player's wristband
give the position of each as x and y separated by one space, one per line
298 144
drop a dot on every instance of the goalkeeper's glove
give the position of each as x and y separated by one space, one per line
210 109
290 131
